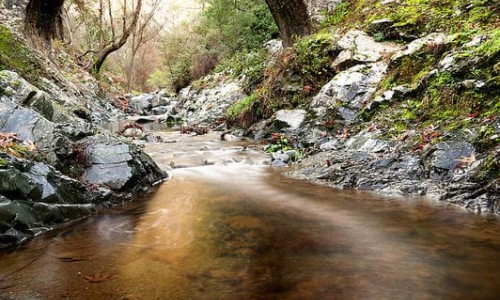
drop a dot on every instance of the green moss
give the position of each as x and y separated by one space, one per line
3 163
239 107
488 138
492 46
489 169
340 12
313 57
15 56
413 18
399 127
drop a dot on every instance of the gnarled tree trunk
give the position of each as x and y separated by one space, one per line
117 44
292 19
44 19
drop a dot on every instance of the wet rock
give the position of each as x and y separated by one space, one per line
117 165
159 100
13 182
30 126
57 188
447 156
350 90
435 39
358 47
290 119
141 104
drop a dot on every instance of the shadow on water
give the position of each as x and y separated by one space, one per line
234 230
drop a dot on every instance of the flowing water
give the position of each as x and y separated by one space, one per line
228 227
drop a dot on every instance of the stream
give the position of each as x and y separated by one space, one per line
227 226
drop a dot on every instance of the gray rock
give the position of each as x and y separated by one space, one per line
160 110
448 154
117 165
281 156
141 104
436 38
292 119
159 100
113 175
366 142
331 145
351 89
361 47
30 127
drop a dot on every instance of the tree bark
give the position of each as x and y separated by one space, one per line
292 19
44 19
117 44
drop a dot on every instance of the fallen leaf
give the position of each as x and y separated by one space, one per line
97 278
467 160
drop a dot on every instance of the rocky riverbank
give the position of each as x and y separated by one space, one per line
364 131
56 165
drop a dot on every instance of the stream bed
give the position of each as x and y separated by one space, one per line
228 226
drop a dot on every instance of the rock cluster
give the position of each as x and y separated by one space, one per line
77 169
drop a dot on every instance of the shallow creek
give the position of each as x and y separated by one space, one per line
226 226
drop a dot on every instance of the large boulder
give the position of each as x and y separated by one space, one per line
34 197
118 166
285 121
210 104
358 47
349 91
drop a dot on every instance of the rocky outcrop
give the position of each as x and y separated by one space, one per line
284 121
70 167
210 104
362 63
367 162
347 151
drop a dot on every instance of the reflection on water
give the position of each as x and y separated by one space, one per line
239 231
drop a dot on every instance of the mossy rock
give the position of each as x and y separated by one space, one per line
16 56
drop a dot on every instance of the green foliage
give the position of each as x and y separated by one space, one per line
489 169
492 46
333 18
3 163
226 32
15 56
240 107
488 138
313 56
249 64
281 143
240 25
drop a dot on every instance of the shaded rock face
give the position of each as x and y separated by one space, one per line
36 196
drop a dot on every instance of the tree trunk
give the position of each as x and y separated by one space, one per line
292 19
44 19
104 53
